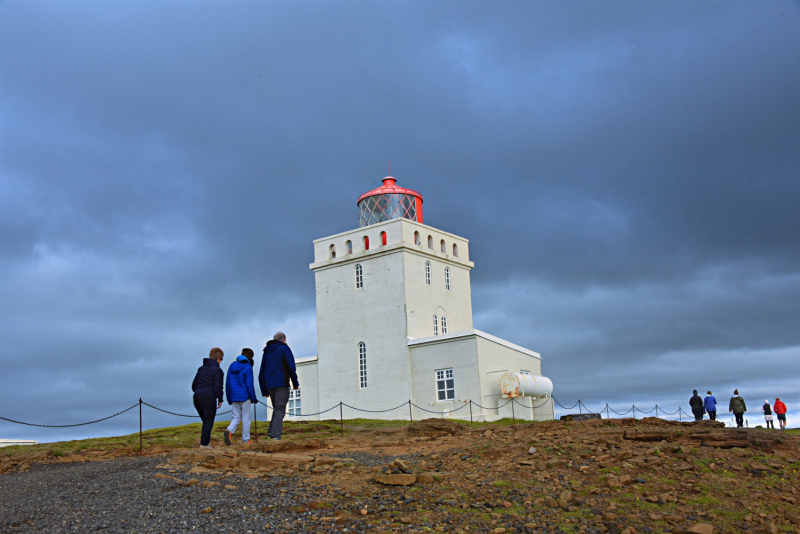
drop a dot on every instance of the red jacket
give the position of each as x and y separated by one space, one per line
779 407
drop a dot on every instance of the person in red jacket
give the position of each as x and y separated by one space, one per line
780 410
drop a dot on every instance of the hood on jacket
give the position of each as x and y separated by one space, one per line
272 345
240 364
208 362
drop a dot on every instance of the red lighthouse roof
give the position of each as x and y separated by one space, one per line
389 201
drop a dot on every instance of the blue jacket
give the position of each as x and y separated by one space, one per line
239 384
277 367
208 380
710 404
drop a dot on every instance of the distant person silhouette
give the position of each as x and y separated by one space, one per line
207 387
780 410
738 407
277 368
766 409
710 405
696 403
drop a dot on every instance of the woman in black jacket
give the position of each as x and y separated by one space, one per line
207 387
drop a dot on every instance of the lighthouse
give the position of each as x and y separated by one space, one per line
394 323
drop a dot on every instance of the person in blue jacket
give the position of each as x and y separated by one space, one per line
240 393
710 406
207 387
277 368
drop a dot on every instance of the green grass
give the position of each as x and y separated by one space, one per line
501 483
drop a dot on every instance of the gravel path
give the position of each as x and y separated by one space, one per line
122 496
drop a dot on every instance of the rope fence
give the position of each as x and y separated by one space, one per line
444 413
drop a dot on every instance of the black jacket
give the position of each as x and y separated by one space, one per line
209 379
697 404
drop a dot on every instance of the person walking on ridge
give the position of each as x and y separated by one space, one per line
696 403
738 407
240 393
767 411
780 410
207 387
710 405
277 367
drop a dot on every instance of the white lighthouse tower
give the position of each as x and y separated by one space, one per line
394 322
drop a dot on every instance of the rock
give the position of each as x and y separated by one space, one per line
433 427
396 480
551 502
229 487
208 484
566 495
364 511
206 510
161 475
564 505
532 450
625 479
702 528
580 416
613 483
424 478
609 516
191 482
499 530
488 434
405 519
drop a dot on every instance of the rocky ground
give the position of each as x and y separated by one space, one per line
617 476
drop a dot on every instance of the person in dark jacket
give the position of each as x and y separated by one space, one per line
738 407
696 403
277 368
767 411
710 405
207 387
240 393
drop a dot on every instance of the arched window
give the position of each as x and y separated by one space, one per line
430 242
455 250
435 325
443 247
383 238
366 243
349 246
332 251
444 324
362 364
359 276
428 273
416 239
446 279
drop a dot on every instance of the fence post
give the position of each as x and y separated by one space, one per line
140 426
513 417
579 406
656 411
470 411
608 415
341 419
679 415
255 420
410 414
634 412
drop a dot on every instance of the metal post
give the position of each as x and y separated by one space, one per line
513 417
634 412
410 414
679 415
608 415
470 411
140 426
255 420
341 418
656 410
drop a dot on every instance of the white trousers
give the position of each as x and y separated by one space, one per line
240 412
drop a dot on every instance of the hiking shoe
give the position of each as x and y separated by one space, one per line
227 436
206 447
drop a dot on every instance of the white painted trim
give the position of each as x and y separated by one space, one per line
399 246
390 221
444 338
307 360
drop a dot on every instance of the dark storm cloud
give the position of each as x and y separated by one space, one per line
626 174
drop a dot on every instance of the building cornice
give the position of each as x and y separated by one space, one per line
456 336
384 250
391 221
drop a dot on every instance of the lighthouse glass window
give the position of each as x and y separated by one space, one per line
381 208
445 385
293 407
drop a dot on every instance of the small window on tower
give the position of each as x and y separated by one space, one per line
455 250
430 242
416 239
443 247
366 243
447 278
444 324
362 365
349 246
359 276
293 406
435 325
445 385
332 251
383 238
428 273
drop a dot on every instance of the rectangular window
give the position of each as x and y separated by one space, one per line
359 277
445 385
362 365
435 325
447 278
293 407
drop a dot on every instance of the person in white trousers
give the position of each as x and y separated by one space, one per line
240 394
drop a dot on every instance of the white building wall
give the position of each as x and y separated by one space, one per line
308 376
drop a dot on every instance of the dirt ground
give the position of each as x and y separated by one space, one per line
611 476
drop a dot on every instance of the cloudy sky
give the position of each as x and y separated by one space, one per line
626 173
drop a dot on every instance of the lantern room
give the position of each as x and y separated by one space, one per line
389 201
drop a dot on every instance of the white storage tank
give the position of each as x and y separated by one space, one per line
524 385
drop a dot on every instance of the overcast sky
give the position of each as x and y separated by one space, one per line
627 174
